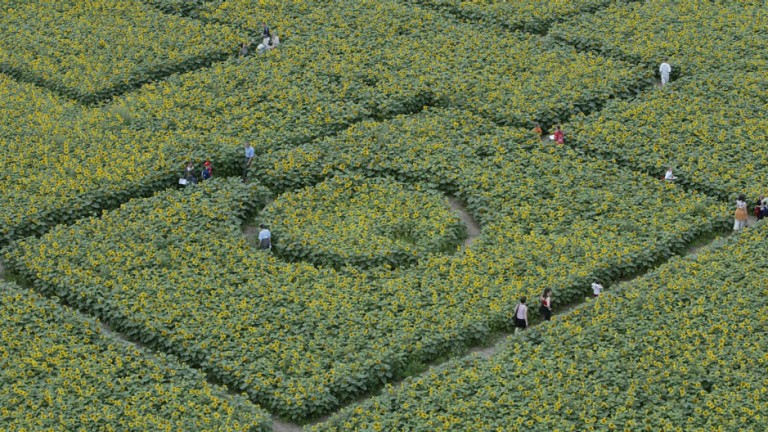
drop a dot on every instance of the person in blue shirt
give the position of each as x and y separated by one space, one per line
207 171
265 238
249 154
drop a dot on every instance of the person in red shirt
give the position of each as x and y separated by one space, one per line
559 136
545 304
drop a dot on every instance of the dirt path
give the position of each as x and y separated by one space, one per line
279 426
473 228
505 339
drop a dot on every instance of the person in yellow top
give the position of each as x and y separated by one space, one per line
740 215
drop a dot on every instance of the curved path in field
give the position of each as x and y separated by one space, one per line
473 228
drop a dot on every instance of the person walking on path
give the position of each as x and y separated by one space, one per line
545 306
763 207
249 154
521 315
740 215
265 238
596 289
665 69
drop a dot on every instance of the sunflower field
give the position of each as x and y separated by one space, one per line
377 72
692 36
257 323
58 371
403 165
90 51
363 223
533 16
432 148
708 128
681 348
64 161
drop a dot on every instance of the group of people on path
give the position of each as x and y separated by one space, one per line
741 215
520 314
190 177
558 136
269 41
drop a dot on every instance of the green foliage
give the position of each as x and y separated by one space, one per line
90 51
363 223
64 162
682 347
708 128
58 372
175 272
691 35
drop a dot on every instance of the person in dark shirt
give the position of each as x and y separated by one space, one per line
265 31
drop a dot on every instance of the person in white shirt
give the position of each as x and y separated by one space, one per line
263 46
669 176
265 238
274 43
665 69
521 315
740 215
596 288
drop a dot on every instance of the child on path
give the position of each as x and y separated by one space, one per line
537 130
521 315
243 50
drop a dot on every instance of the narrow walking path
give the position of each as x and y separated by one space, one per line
473 228
504 339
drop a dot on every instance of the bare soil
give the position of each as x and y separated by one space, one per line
473 228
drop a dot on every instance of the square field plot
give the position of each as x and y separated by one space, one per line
59 372
709 128
535 16
690 35
661 353
176 272
314 84
64 161
92 50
